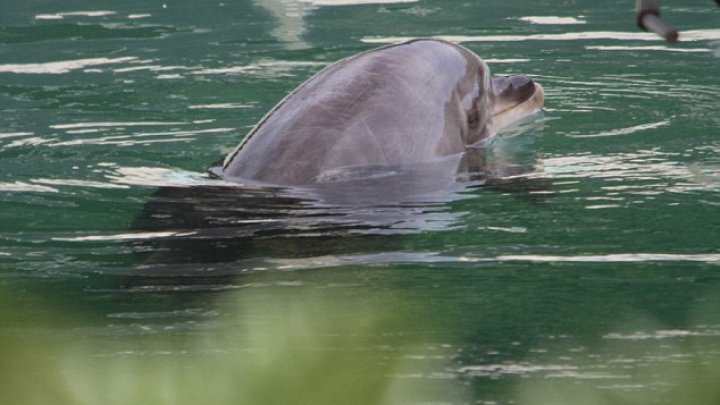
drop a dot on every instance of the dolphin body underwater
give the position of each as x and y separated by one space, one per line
402 104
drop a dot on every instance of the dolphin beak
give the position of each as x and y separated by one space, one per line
513 89
522 86
510 92
515 97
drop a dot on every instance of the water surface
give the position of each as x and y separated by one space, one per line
581 263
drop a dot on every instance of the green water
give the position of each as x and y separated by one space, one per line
586 271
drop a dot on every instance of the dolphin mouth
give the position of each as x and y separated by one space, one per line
530 102
534 102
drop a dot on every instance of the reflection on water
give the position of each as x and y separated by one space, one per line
291 14
357 216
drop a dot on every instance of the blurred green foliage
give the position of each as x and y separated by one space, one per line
285 349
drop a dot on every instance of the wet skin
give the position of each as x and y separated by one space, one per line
403 104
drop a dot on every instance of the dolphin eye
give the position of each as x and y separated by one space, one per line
473 118
521 83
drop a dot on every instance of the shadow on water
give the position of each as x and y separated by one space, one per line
211 232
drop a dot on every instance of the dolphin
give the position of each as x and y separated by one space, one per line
401 104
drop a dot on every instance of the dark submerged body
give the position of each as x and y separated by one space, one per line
376 141
401 104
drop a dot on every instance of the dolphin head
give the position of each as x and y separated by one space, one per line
513 98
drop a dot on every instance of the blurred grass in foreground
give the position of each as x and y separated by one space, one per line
645 363
302 345
266 349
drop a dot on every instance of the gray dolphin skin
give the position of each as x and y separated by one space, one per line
401 104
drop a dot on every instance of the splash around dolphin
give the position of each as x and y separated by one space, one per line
401 104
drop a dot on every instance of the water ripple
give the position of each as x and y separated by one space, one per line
20 186
60 16
393 257
61 67
647 48
140 138
624 131
686 36
616 258
552 20
116 124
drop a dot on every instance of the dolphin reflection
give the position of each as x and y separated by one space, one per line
229 229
